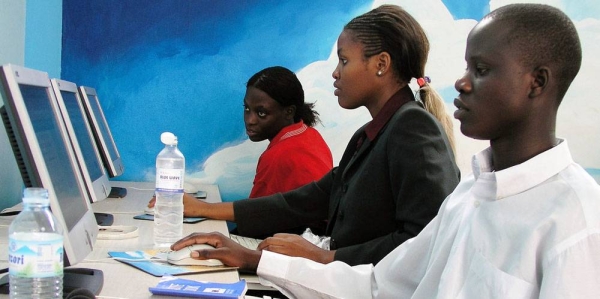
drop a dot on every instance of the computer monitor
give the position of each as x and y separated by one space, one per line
104 139
46 159
83 144
82 139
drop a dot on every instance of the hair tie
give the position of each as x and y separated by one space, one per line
423 81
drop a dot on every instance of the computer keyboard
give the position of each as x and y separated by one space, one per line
247 242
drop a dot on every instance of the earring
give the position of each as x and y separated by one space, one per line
379 73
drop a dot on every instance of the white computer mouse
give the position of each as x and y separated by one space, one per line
189 188
149 211
182 257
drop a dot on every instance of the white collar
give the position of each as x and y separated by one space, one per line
521 177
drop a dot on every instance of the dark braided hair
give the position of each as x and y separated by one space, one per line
284 87
390 29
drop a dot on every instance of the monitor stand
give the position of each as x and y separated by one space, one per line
73 278
117 192
104 219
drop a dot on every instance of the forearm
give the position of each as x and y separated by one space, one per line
370 252
278 212
302 278
221 211
218 211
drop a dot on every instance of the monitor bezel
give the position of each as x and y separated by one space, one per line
114 165
80 240
98 188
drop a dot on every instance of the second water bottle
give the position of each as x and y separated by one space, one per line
168 209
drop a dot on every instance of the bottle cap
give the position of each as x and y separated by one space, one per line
36 195
168 138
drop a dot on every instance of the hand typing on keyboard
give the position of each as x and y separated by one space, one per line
247 242
295 245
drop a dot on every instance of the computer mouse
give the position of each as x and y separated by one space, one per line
149 211
182 257
189 188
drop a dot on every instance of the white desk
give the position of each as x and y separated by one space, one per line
121 280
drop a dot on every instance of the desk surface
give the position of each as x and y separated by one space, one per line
121 280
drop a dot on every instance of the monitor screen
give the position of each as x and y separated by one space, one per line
82 139
108 149
45 157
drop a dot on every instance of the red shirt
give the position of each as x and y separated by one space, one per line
297 156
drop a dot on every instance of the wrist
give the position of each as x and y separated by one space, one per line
326 256
217 211
252 260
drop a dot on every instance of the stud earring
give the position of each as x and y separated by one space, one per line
379 73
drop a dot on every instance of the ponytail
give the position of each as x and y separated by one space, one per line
306 113
433 103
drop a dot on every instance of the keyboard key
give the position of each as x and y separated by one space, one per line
247 242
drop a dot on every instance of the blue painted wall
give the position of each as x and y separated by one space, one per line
43 40
181 66
30 35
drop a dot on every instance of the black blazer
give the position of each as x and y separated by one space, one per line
375 199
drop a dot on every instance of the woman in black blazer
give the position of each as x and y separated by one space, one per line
395 172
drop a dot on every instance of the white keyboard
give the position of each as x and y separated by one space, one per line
247 242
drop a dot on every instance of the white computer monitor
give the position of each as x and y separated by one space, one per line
82 139
45 157
104 139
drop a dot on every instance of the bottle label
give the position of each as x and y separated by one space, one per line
170 180
35 255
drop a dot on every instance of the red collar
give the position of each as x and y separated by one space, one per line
289 131
400 98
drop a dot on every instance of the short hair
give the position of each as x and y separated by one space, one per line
543 35
283 86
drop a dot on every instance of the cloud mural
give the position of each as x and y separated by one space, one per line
213 121
578 119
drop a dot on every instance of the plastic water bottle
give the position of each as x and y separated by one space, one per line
35 249
168 209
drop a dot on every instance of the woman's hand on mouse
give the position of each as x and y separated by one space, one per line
227 251
192 207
